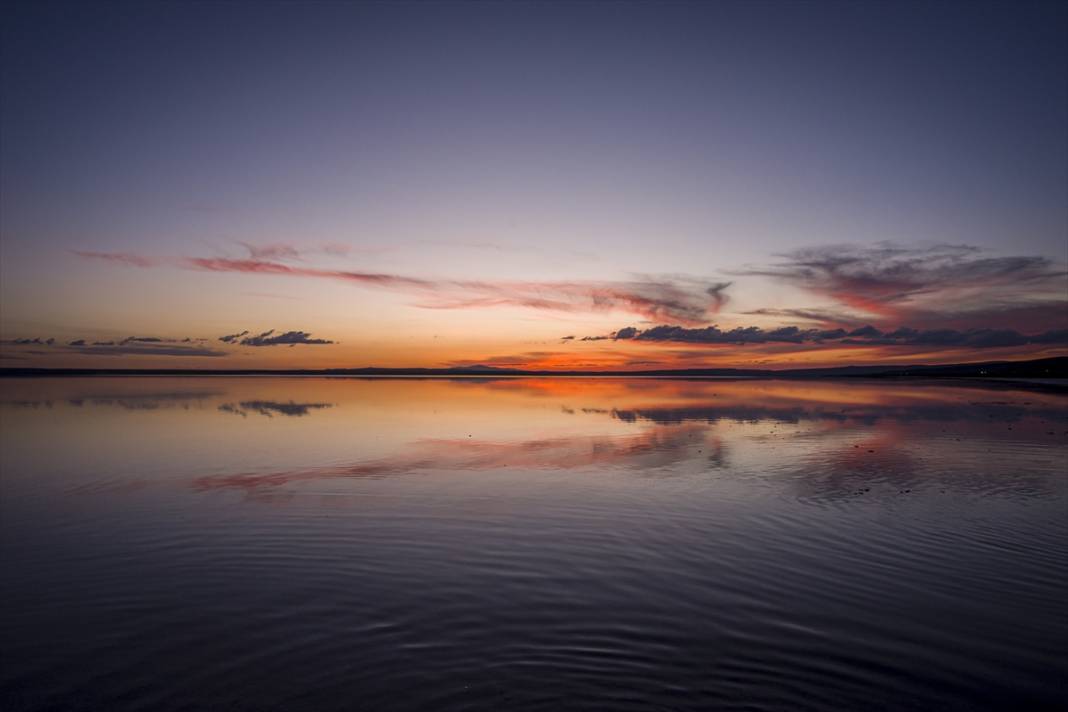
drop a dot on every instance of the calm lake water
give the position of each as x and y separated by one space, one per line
531 544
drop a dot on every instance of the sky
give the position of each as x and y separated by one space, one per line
544 185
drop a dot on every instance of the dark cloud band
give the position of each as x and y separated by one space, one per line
288 338
865 335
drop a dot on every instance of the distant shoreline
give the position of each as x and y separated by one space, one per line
1053 370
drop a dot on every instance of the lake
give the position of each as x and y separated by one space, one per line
532 544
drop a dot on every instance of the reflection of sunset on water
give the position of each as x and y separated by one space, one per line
341 429
662 514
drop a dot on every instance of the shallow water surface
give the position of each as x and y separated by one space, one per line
531 544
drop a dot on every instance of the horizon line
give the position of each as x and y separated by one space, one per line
1050 367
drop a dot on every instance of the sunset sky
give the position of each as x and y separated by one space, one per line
543 185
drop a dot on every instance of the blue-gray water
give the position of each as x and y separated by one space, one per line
531 544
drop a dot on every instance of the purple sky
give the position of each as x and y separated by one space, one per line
435 183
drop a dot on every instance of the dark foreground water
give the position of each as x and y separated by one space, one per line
333 544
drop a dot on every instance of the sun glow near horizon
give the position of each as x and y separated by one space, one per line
437 189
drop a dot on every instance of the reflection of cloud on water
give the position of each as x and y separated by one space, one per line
909 459
836 452
838 472
28 404
183 400
126 401
811 438
271 408
866 450
863 414
880 464
649 451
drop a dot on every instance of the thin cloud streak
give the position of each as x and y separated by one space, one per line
130 346
125 259
680 300
145 350
288 251
823 317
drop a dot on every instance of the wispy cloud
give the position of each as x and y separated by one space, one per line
125 259
150 349
893 283
276 251
165 346
681 300
954 287
232 338
292 251
718 293
130 346
820 316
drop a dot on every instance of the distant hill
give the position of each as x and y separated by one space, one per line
1047 368
480 368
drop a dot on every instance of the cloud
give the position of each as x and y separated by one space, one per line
821 316
718 292
863 336
868 331
653 300
338 249
105 348
156 340
276 251
892 282
288 251
289 338
681 300
138 400
130 346
956 286
231 338
125 259
270 408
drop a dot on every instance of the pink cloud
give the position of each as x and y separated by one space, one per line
682 301
943 285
